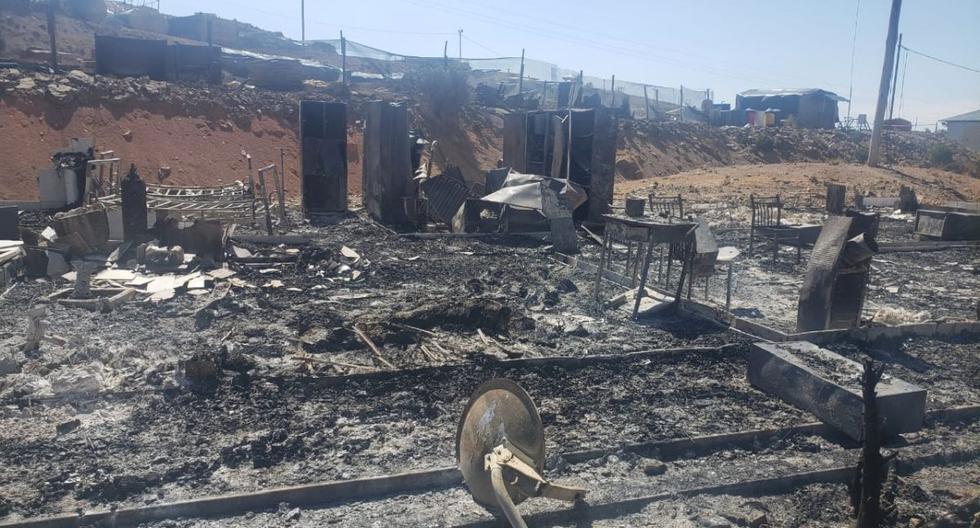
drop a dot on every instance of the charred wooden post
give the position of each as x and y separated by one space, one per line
36 326
134 214
559 215
835 198
83 280
52 19
872 465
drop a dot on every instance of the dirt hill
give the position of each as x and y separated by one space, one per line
805 183
650 149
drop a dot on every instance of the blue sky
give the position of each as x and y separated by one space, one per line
724 45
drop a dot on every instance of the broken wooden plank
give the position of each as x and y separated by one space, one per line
374 349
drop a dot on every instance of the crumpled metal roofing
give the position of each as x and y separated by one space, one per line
525 190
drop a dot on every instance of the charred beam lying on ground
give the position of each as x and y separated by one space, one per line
326 493
747 488
926 245
825 383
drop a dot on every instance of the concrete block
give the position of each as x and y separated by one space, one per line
828 385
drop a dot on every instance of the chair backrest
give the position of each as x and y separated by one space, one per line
767 211
669 206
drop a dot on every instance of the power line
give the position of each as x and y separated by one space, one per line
937 59
285 16
901 98
549 31
495 53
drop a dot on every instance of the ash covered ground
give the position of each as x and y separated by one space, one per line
111 418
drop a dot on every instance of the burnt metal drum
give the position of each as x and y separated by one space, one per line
499 412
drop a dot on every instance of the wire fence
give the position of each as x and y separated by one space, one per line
545 72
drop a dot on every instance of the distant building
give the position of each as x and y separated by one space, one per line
964 128
806 108
899 124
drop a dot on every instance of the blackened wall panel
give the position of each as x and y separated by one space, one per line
603 164
323 156
387 166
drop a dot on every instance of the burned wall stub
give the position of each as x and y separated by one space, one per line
387 164
582 149
600 187
833 291
134 212
323 156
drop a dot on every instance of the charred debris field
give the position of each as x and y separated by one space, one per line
270 385
247 281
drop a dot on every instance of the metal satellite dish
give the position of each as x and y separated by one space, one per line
500 450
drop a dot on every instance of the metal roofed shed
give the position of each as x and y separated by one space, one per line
964 128
805 107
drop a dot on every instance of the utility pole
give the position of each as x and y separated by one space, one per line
898 59
681 114
612 88
461 45
52 33
646 102
302 20
520 80
343 58
886 75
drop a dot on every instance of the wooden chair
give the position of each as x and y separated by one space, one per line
767 216
667 206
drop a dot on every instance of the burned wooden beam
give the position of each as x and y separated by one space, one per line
828 385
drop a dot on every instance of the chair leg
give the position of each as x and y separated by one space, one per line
728 289
707 281
660 267
751 241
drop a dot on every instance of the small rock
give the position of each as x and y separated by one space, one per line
60 91
81 77
200 370
551 298
652 467
128 135
204 318
225 126
293 514
566 286
9 365
712 521
67 427
757 519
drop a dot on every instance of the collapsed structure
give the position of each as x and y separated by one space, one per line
260 355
